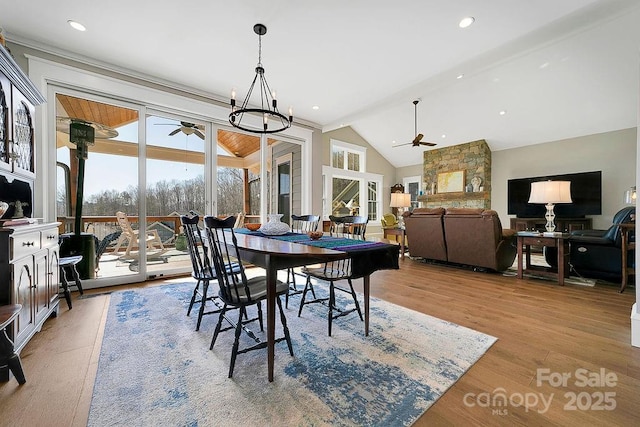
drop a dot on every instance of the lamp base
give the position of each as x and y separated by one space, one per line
550 216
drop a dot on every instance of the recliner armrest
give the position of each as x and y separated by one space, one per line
590 240
590 233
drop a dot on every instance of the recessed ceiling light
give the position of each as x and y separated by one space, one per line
444 136
393 142
544 65
460 76
315 107
466 21
76 25
503 112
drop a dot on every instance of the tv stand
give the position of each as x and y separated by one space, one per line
562 224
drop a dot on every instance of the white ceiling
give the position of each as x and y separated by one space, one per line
559 69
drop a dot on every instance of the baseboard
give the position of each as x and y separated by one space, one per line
635 326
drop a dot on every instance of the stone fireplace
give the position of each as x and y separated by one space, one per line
464 174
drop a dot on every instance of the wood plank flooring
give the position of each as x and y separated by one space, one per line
539 325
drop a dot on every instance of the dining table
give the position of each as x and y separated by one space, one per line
274 253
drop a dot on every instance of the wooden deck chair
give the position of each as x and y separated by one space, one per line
152 239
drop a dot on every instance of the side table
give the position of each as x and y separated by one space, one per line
396 232
560 241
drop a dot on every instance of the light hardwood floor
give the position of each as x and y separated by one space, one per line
573 330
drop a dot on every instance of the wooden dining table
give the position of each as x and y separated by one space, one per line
273 255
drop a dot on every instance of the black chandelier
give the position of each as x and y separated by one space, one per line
268 110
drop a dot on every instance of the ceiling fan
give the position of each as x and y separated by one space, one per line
417 141
188 129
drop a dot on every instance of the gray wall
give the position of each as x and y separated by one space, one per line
613 153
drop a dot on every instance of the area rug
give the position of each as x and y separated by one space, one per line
154 369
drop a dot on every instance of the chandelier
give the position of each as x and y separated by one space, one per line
272 120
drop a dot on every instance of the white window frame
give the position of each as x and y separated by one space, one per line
363 178
410 180
348 148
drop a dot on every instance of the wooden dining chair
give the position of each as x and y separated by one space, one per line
299 224
351 227
237 292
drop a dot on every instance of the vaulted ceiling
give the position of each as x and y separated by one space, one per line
556 69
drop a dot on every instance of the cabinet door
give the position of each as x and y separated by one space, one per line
53 275
40 285
23 288
22 148
5 121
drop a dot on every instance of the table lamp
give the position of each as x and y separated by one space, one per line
630 196
400 201
549 193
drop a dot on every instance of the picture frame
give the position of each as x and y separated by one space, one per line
451 182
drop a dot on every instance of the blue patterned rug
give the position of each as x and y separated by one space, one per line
154 369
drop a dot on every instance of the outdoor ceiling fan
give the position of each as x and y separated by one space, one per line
188 129
417 140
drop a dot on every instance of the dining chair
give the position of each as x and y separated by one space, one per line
201 268
351 227
299 224
236 290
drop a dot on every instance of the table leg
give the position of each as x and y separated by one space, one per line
519 243
367 292
561 261
271 316
402 235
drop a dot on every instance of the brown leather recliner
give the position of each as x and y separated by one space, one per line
475 237
425 233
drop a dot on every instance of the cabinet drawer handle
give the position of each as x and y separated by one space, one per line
51 237
28 243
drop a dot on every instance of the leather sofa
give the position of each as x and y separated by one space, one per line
597 253
463 236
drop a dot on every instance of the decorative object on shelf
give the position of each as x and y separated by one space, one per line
476 181
630 196
4 207
274 226
549 193
268 111
400 201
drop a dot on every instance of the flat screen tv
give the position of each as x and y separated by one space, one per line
586 193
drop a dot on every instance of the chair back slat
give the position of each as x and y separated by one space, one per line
351 227
304 223
227 262
198 252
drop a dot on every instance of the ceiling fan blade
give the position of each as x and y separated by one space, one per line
400 145
174 132
200 134
428 144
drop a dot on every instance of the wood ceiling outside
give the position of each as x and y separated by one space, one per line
237 144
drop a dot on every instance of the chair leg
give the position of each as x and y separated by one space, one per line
76 278
259 305
193 297
218 326
307 286
285 328
205 289
355 299
293 288
236 342
332 304
16 368
65 287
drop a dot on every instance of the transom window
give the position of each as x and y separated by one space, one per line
348 156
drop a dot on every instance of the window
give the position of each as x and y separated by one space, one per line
347 156
346 188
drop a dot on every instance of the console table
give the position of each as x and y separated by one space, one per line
565 225
396 232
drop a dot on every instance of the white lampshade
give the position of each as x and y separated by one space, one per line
630 196
400 200
550 192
